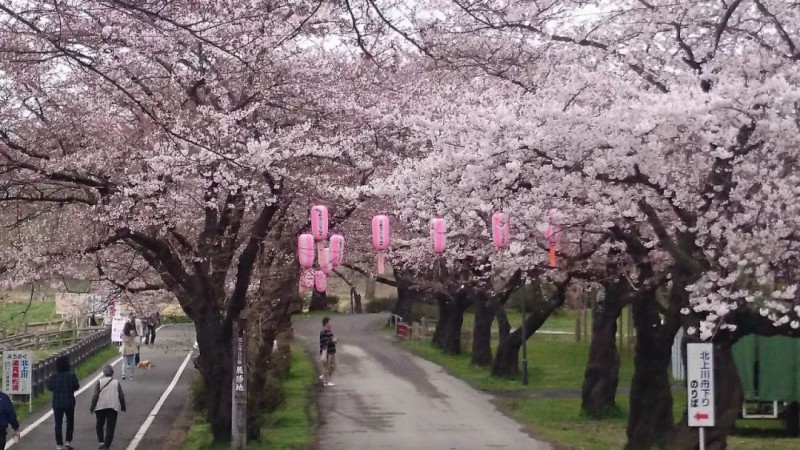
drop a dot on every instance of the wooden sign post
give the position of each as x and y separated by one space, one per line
239 387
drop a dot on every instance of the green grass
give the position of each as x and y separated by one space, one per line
82 370
13 315
556 363
552 364
291 427
563 320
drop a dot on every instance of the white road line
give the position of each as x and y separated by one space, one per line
146 425
47 415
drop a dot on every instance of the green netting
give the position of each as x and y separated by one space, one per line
769 367
778 368
744 354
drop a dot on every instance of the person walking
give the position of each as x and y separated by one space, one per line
130 343
108 400
327 352
8 416
63 383
140 338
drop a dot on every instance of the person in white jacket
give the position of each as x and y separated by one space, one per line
107 402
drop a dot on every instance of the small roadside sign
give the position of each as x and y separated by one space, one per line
17 368
117 325
700 384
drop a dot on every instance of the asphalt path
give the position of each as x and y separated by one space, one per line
388 399
155 399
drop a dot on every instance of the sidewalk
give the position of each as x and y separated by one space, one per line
142 394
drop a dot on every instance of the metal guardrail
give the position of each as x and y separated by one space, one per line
78 353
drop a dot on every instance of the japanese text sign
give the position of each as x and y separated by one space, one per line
700 384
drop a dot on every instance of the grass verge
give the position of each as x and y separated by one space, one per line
553 364
82 370
14 314
291 427
558 364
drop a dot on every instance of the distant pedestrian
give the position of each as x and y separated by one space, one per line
108 400
130 343
140 334
7 417
63 383
150 329
327 352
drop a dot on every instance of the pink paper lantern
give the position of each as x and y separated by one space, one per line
500 230
380 239
553 234
325 260
306 280
337 250
319 222
320 281
438 234
305 250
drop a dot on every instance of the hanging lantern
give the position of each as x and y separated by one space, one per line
500 230
325 260
320 281
319 222
337 250
553 234
380 239
438 234
306 280
305 250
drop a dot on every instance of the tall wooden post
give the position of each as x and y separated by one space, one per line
239 386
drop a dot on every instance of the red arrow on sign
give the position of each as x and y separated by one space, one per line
701 416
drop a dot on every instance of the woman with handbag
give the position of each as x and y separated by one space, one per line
130 348
107 401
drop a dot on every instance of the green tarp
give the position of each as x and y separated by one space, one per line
769 367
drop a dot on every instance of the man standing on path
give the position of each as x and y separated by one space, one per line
107 401
7 417
327 352
150 331
63 383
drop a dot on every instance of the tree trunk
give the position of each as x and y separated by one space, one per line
216 368
650 420
503 325
319 301
728 395
482 330
602 370
451 317
369 289
273 308
506 361
356 299
406 295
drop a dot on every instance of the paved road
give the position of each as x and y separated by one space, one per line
141 394
388 399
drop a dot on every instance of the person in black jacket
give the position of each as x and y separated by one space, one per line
327 352
7 417
63 383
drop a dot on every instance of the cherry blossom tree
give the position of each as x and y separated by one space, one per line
171 146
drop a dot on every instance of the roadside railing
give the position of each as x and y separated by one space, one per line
79 352
46 339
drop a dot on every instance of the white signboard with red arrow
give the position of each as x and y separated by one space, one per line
700 384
